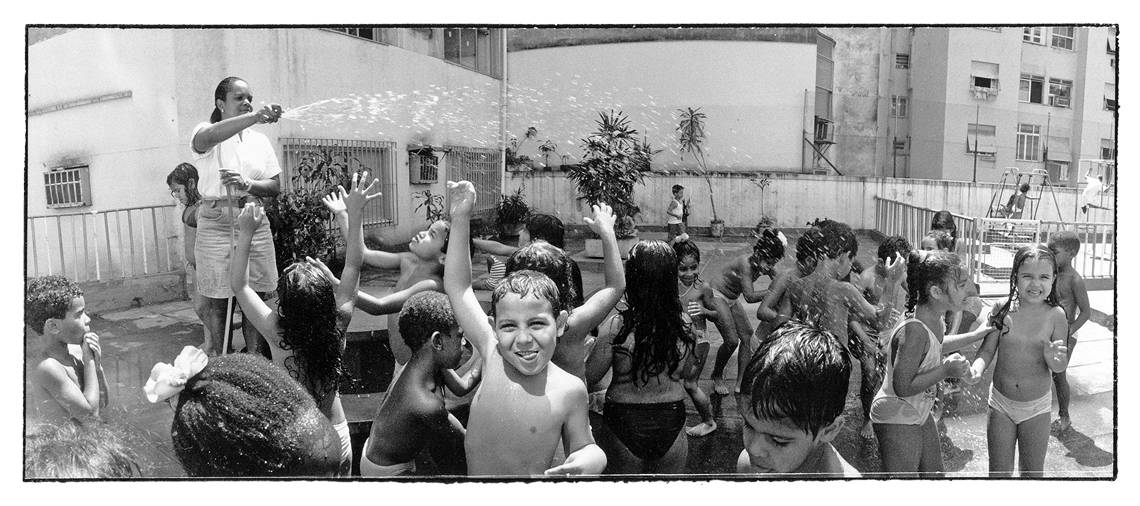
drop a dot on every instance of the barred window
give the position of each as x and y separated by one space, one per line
343 157
902 61
68 187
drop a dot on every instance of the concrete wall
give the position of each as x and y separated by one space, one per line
795 199
752 92
860 62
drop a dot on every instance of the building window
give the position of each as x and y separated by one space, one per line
1033 35
900 146
984 79
468 47
1107 150
1028 142
1062 37
68 187
374 34
983 138
989 28
1058 170
898 106
1059 92
902 61
1109 97
345 157
1032 89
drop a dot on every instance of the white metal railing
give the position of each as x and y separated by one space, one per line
105 245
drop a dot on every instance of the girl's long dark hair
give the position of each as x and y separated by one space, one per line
660 337
1033 251
309 328
183 174
925 269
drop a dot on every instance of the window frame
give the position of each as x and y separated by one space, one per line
976 129
67 186
1055 100
900 106
1034 35
1054 37
1028 138
1063 167
902 61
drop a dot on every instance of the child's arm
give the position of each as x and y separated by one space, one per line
907 380
393 302
984 357
583 456
462 385
956 342
494 247
674 209
707 308
382 259
595 309
1082 298
751 295
457 270
53 378
252 307
878 316
1057 351
354 200
190 236
770 310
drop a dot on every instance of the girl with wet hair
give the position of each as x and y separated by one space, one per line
71 451
241 416
307 330
183 185
777 306
649 345
944 221
696 298
1030 346
901 410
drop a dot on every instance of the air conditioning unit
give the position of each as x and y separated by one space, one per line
423 165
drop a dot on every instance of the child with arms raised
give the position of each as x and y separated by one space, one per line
901 411
696 299
413 412
1030 346
307 331
525 403
794 390
65 386
1074 299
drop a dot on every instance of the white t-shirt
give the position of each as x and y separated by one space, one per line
673 212
250 152
1094 186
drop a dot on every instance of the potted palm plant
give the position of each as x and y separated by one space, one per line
613 161
514 161
511 212
691 138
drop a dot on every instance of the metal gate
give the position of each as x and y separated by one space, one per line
996 241
345 156
481 166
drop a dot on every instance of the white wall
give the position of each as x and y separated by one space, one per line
752 92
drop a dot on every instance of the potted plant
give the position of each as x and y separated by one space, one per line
431 203
547 148
613 161
512 210
514 161
691 138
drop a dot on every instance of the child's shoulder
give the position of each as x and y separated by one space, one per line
563 384
50 369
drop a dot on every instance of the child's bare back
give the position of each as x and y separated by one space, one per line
410 415
1069 283
822 302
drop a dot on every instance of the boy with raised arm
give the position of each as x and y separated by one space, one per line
413 412
525 403
64 386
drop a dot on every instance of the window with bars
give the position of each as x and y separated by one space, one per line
898 106
1060 91
1032 89
482 167
900 146
1028 142
1062 37
1034 35
981 139
66 187
343 157
424 165
902 61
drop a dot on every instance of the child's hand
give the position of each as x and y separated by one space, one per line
91 346
696 310
603 220
335 201
568 468
972 377
896 268
956 365
250 218
357 197
325 271
1056 354
462 197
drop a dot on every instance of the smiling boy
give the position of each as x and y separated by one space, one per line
794 390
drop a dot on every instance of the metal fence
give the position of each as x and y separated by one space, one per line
105 245
480 166
342 157
913 222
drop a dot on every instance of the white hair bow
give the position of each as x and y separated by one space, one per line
167 380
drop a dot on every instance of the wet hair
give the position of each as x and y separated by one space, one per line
806 250
183 174
547 228
556 264
677 188
768 247
78 451
686 248
244 416
224 87
895 244
836 239
1024 187
1029 252
307 303
800 373
660 337
447 240
48 297
925 269
424 314
1065 239
528 283
942 239
944 220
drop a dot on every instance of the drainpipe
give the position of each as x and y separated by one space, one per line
503 115
803 128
